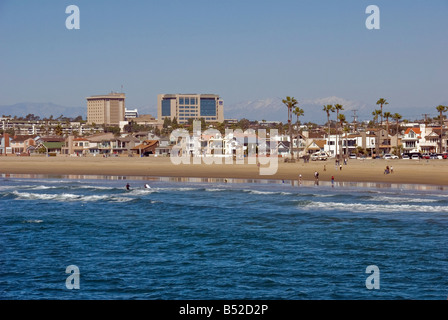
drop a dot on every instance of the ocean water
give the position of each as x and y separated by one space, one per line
190 239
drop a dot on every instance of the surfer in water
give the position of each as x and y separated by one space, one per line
128 187
147 186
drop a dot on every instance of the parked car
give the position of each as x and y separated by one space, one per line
415 157
320 155
426 156
352 156
406 157
445 155
390 156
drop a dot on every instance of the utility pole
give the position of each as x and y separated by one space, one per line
426 118
355 119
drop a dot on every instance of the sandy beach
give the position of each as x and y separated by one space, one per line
428 172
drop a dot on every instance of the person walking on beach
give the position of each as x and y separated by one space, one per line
391 169
316 177
300 179
332 181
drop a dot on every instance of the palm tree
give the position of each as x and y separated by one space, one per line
381 102
290 103
441 109
346 130
328 108
387 115
341 119
337 107
375 114
298 112
397 117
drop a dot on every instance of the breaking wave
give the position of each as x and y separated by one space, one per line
68 197
365 207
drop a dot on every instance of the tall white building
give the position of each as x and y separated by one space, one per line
106 109
130 113
190 106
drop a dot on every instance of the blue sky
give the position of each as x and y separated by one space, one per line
242 50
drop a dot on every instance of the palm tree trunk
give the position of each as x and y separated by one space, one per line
337 133
297 139
329 127
441 131
290 137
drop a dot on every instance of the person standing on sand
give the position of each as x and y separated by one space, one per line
391 169
332 181
300 179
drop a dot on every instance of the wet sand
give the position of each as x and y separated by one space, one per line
429 172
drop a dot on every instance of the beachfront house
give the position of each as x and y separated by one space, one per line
51 148
101 143
283 148
20 145
411 140
146 148
423 139
123 145
315 145
76 146
5 145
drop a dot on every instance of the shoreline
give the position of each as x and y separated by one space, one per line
293 183
433 174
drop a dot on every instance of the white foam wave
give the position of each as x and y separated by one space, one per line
214 189
94 187
174 189
139 192
260 192
400 200
363 207
68 197
33 221
42 188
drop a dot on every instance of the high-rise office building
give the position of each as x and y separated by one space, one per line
190 106
106 109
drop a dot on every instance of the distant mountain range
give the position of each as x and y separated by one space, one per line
273 109
43 110
270 109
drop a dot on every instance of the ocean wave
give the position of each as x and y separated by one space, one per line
33 221
68 197
261 192
402 199
214 189
364 207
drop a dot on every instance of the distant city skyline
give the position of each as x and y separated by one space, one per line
244 51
